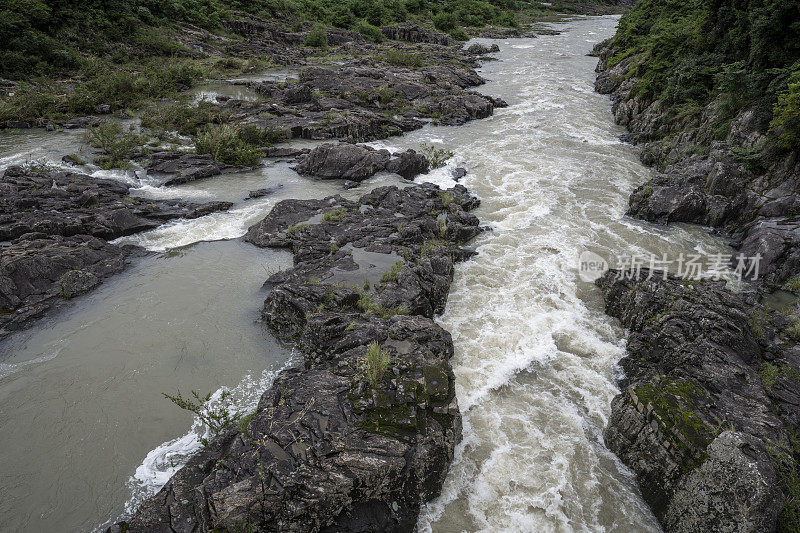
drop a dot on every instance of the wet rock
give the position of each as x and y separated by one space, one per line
181 167
37 271
283 152
458 173
55 226
357 162
696 423
328 448
82 122
479 49
71 160
102 109
725 184
260 193
17 125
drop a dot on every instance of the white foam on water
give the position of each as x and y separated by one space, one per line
214 227
162 462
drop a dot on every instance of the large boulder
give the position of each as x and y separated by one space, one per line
357 162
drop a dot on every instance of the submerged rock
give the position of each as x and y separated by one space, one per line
183 167
332 446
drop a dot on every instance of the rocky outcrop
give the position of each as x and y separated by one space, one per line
700 420
181 167
727 184
333 446
53 229
368 100
357 162
414 33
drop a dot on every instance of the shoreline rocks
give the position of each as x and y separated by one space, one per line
54 228
333 445
706 181
709 439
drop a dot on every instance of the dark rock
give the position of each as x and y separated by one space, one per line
102 109
283 152
408 31
408 164
479 49
70 160
82 122
182 167
56 224
695 421
327 448
260 193
458 173
17 125
357 163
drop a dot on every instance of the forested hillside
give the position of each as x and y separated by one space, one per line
44 37
746 53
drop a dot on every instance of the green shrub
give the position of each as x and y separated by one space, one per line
257 136
786 117
445 21
392 274
401 58
437 157
182 117
317 38
375 363
116 146
459 34
29 103
224 144
370 32
214 417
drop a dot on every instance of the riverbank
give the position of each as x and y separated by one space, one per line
708 413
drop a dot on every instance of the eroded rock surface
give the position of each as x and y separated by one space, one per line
357 163
329 449
53 230
182 167
727 184
707 430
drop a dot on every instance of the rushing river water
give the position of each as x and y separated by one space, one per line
85 432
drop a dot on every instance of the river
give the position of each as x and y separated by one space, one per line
85 432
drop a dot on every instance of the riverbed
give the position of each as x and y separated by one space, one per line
85 432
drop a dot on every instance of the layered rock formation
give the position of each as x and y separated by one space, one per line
703 422
362 434
708 417
53 230
715 183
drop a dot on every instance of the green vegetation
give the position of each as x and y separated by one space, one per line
116 146
391 274
674 403
233 145
317 38
369 306
447 198
793 284
437 157
375 363
335 215
215 416
400 58
743 53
